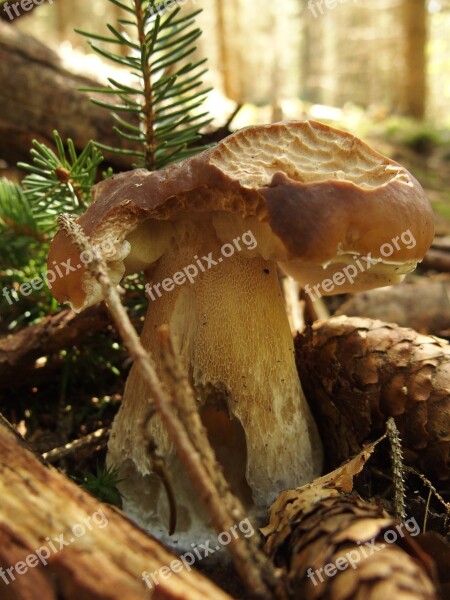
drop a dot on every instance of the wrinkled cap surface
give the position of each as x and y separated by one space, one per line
316 199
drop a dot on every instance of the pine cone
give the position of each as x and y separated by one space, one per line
342 548
358 372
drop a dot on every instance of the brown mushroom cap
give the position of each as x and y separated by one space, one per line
312 194
314 199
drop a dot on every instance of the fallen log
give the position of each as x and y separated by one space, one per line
437 260
38 95
57 541
356 373
9 14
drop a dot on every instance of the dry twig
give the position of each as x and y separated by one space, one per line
396 452
96 437
178 385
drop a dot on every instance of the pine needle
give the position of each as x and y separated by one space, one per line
162 116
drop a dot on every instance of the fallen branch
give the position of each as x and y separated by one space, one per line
20 350
181 391
436 260
96 437
423 305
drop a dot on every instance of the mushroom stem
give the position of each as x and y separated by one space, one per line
231 329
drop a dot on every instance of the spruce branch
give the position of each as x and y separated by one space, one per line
59 181
161 111
16 213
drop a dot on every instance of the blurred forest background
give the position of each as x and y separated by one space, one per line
388 57
380 70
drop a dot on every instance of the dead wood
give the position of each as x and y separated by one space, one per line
423 305
17 12
39 505
436 260
65 329
38 95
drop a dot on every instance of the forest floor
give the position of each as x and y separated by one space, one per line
77 391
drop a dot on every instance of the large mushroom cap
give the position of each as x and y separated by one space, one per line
315 197
312 198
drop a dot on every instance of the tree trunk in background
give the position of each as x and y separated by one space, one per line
414 18
277 67
227 75
64 20
311 57
331 56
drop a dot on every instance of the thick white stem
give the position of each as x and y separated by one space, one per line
230 327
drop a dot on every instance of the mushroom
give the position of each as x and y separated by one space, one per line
209 233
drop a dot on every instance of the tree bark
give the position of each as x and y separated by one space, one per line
38 95
414 19
40 507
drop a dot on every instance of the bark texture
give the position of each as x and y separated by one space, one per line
358 372
414 23
39 505
38 95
